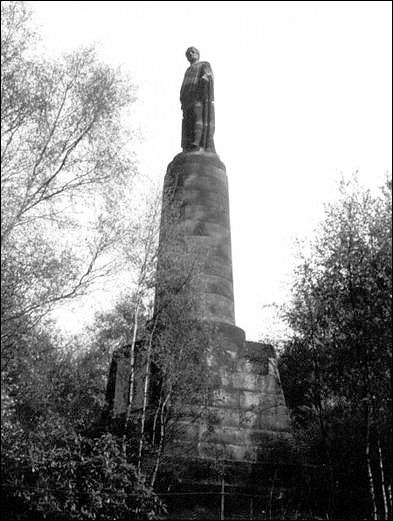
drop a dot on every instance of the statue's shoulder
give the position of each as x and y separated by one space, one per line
205 68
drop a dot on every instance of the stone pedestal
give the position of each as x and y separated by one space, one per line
247 406
245 413
195 225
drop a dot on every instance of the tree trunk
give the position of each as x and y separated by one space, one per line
145 395
161 443
383 481
141 286
271 495
222 510
369 468
132 374
153 441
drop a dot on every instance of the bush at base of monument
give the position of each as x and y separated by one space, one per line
56 473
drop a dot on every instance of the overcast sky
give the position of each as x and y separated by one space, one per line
302 94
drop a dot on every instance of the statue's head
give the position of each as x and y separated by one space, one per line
192 54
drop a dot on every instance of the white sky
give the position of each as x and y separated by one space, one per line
302 94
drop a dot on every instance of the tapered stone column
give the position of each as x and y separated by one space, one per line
195 223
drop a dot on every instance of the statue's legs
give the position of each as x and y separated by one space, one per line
198 124
192 127
207 141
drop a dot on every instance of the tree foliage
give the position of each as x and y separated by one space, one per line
63 147
57 473
66 171
65 163
337 367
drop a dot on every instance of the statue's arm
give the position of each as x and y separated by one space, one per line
207 73
207 82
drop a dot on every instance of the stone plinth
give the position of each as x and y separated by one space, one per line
195 225
246 412
244 415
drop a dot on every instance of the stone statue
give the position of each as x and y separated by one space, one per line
197 103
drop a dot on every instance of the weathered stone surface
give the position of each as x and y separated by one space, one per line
247 407
227 451
117 387
223 416
196 185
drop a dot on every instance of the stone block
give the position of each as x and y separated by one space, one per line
223 416
269 402
249 419
250 399
275 419
240 452
228 436
183 448
258 351
246 380
218 305
226 398
121 386
187 431
269 384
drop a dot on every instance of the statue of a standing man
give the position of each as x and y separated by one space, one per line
197 103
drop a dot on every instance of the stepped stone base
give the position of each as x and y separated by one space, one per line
246 412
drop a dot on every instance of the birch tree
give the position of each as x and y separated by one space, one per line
65 163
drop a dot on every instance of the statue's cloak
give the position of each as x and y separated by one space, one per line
198 87
197 84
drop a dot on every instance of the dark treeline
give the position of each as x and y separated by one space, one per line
336 369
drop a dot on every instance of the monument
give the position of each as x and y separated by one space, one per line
246 412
